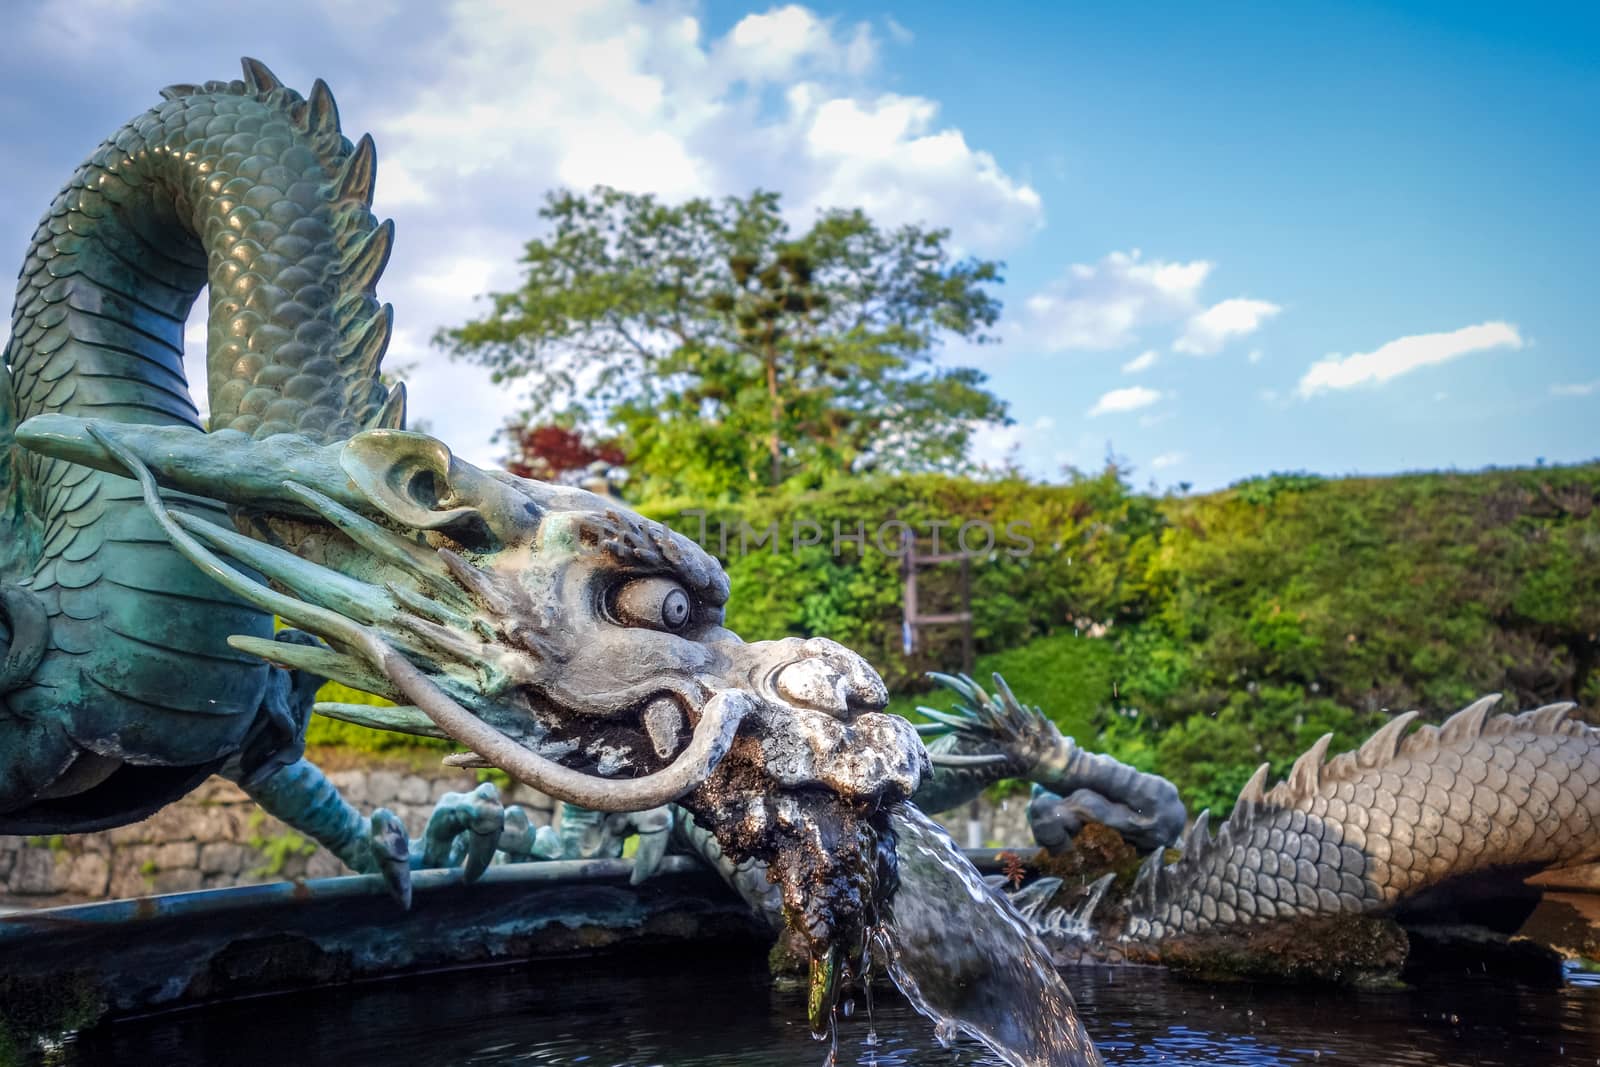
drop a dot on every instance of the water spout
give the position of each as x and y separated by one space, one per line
965 959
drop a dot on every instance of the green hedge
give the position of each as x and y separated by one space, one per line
1235 627
1199 635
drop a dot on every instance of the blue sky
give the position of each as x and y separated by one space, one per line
1239 237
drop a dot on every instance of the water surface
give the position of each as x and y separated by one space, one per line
703 1010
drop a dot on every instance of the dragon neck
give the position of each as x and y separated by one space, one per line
248 188
251 190
20 543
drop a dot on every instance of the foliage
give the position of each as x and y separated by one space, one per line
1198 636
1235 627
732 355
556 453
276 849
1046 559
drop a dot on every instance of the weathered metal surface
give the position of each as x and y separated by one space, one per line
160 952
551 632
1443 824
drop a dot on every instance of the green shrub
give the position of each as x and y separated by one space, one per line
1233 627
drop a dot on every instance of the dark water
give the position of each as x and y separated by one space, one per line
704 1010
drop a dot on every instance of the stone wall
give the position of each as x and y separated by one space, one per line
217 837
1001 824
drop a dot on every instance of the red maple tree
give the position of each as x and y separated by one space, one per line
557 453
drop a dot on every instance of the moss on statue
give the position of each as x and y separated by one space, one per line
1345 950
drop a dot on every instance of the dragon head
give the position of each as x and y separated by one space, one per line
552 632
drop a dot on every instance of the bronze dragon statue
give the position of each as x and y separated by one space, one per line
549 631
1447 820
1441 824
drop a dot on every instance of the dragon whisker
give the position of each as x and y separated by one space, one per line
713 737
320 661
403 717
410 557
318 584
944 718
478 583
319 620
428 607
956 759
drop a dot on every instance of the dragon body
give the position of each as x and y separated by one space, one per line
251 190
550 632
1444 822
1411 825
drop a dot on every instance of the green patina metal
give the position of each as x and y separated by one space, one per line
246 187
145 559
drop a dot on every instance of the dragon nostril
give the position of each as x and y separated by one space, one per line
867 691
815 683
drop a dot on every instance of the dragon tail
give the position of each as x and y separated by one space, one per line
1371 830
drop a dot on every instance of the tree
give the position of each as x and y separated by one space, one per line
729 355
556 453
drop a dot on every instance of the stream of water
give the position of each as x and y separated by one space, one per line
965 959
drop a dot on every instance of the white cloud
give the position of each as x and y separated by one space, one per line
1110 304
1212 328
779 44
1254 356
1167 459
634 95
1576 389
1104 305
1132 398
480 106
897 30
1405 355
1142 362
997 445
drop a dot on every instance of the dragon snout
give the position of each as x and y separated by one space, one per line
830 678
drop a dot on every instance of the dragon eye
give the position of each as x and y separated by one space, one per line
659 603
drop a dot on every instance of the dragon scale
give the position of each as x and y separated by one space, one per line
252 190
550 632
1381 828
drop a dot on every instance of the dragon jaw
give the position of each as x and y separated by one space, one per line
552 632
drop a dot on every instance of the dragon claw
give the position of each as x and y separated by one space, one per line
654 828
488 824
391 854
464 828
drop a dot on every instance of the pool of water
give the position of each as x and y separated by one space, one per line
711 1011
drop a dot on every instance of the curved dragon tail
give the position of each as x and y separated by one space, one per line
1372 829
251 191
